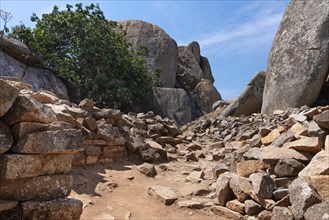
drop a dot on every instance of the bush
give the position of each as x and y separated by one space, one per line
82 46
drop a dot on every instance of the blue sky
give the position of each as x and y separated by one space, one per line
236 36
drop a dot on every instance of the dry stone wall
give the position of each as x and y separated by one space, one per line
42 137
36 153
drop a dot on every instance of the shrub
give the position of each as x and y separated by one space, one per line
82 46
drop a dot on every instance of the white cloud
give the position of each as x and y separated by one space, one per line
258 23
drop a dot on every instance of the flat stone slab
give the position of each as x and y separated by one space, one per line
64 209
6 205
226 213
275 154
66 141
25 108
17 166
319 165
194 189
165 194
192 204
37 188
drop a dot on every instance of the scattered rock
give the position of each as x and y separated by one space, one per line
226 213
236 206
223 190
288 167
252 208
147 169
280 213
302 196
317 211
318 166
165 194
262 184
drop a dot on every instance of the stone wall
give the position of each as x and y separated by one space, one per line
36 153
43 136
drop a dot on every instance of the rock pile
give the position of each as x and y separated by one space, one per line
35 157
272 167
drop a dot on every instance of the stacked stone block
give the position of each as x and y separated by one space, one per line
36 157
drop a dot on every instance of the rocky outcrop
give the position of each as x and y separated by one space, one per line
189 71
299 60
18 61
183 68
161 49
172 103
250 100
205 95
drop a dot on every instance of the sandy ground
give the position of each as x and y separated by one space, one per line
120 191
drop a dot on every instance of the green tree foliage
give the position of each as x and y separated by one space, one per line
81 45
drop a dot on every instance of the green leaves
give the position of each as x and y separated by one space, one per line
80 44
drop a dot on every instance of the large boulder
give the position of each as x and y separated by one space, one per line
299 59
205 66
189 72
195 49
205 95
42 79
11 67
19 51
162 49
8 95
250 100
172 103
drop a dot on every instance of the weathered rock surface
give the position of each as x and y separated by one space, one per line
302 196
45 142
322 119
165 194
321 186
262 184
280 213
16 166
162 49
26 109
226 213
6 139
318 211
40 188
195 50
223 190
299 58
275 154
172 103
147 169
8 94
205 94
6 205
288 167
189 71
250 100
41 79
68 209
318 166
205 66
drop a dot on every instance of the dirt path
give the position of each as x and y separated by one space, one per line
120 191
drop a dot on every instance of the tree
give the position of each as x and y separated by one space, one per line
5 16
82 46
